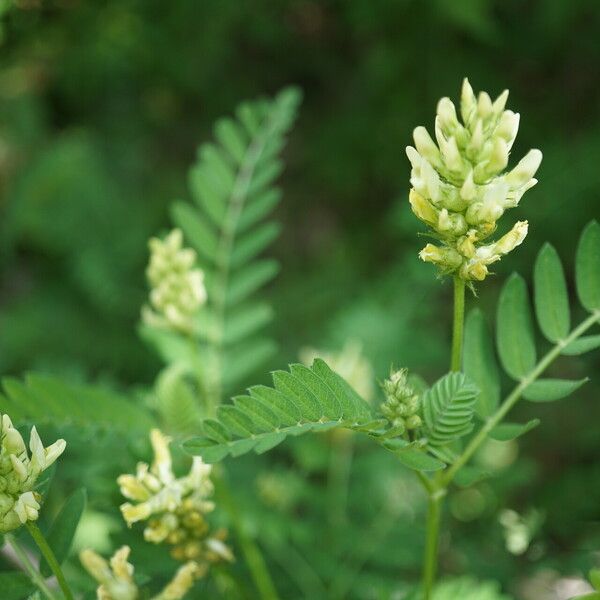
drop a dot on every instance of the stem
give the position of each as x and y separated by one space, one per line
26 563
42 544
458 323
515 395
434 510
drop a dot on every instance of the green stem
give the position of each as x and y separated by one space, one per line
514 396
434 511
26 563
42 544
458 323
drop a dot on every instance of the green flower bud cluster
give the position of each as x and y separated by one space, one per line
19 472
178 289
460 188
175 508
402 403
116 578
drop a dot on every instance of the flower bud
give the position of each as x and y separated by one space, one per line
422 208
467 102
526 168
425 146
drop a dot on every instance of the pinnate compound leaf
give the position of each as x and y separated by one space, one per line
62 531
448 408
511 431
470 475
480 365
303 399
587 267
548 390
514 330
550 295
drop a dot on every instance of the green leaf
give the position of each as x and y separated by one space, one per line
514 331
511 431
304 399
470 475
15 585
417 460
253 243
480 363
550 295
587 267
248 280
48 399
196 229
448 408
63 528
548 390
582 345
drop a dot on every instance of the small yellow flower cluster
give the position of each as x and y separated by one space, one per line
459 188
402 404
174 507
116 577
19 472
178 290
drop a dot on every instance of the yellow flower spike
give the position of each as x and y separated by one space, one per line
184 579
459 188
173 506
115 578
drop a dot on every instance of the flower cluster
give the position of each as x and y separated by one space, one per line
116 577
178 289
402 403
460 188
19 472
175 508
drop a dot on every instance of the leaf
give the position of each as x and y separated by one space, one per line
548 390
233 192
62 531
514 331
511 431
304 399
550 295
417 460
587 267
448 408
48 399
15 585
582 345
195 229
480 363
470 475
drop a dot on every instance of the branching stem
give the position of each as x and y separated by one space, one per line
514 397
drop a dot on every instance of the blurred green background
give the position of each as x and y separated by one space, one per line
102 105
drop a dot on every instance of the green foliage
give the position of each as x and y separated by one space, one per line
62 531
587 267
232 185
302 400
479 363
551 297
548 390
448 408
511 431
514 330
15 585
466 588
44 398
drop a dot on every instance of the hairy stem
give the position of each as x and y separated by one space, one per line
458 323
434 511
515 395
26 563
42 544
